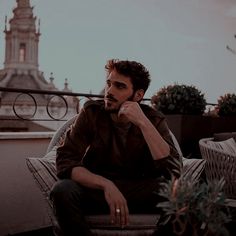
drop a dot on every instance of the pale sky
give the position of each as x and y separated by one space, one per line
179 41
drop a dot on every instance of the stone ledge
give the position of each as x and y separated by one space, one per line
25 135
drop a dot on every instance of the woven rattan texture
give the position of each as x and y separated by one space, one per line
219 164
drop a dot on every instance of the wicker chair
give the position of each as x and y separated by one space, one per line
44 172
219 164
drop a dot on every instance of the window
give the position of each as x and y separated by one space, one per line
22 52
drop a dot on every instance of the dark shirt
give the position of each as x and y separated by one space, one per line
113 150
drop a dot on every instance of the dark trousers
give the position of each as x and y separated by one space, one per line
71 202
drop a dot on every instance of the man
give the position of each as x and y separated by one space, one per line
115 155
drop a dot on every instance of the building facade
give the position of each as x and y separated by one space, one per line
21 70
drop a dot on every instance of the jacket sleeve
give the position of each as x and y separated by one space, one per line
70 153
172 164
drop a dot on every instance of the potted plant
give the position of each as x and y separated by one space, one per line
193 208
223 119
227 105
183 107
179 99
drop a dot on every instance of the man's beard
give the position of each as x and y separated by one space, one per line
116 110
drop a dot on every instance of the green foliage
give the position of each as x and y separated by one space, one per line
227 105
195 208
179 99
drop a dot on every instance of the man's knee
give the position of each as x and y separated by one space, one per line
65 190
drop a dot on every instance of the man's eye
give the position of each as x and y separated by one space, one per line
120 86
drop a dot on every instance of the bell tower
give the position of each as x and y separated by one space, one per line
22 39
21 70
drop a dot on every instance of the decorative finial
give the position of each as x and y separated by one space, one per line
66 84
5 23
51 78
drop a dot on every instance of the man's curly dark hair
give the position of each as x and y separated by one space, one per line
140 77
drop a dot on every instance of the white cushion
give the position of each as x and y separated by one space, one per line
52 154
228 145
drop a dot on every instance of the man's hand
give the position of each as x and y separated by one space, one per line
118 206
115 199
132 112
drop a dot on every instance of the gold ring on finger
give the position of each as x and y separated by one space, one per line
118 210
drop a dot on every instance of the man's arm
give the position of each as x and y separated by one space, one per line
86 178
158 147
113 196
70 165
70 153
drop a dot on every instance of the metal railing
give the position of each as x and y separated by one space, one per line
61 97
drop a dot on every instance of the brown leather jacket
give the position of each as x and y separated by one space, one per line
89 143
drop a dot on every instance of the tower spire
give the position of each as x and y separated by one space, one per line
22 38
23 3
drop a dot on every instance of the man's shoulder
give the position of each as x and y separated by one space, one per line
151 112
93 104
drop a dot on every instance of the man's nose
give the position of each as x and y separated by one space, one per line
110 90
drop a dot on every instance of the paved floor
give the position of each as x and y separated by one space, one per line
41 232
48 231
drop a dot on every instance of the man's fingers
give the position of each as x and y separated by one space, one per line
122 215
118 215
113 214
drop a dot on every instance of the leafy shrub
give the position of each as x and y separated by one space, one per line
194 208
227 105
179 99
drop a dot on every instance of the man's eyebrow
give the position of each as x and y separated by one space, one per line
117 83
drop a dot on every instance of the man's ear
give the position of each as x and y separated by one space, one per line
138 96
